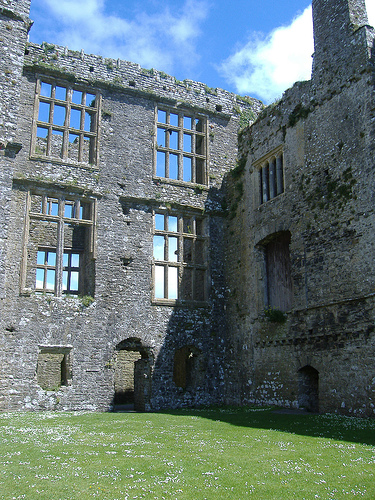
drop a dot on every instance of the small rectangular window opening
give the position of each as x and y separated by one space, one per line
53 368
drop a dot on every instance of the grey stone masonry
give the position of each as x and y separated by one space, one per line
14 26
114 222
342 41
301 301
16 8
167 244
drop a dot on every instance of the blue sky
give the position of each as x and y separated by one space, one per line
245 46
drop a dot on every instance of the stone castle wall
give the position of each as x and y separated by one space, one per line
271 235
43 333
326 211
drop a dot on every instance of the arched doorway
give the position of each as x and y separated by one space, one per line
132 375
308 388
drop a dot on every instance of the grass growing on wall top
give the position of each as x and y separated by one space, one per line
199 454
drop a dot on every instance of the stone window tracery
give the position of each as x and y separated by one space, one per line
59 245
65 123
179 258
181 146
271 175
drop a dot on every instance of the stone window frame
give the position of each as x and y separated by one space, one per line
270 170
180 126
65 367
66 130
59 208
197 266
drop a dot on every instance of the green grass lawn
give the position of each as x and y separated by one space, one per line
192 454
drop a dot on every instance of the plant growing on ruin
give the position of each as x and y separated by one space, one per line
109 63
274 315
87 300
324 191
299 112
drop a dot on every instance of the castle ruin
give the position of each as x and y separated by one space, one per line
167 244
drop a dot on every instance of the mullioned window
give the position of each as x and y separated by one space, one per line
181 146
179 258
65 123
59 244
271 175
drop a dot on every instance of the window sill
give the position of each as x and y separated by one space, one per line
59 161
190 304
272 200
174 182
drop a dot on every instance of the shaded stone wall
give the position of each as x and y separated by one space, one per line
326 131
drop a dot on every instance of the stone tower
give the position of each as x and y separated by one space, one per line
306 242
341 39
14 27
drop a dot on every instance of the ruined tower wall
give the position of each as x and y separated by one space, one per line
342 41
313 241
14 26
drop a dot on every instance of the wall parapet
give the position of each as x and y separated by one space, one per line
129 77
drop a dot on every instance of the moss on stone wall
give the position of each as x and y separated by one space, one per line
324 192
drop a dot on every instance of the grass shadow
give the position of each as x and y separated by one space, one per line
331 426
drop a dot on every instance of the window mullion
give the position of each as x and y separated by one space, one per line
44 204
180 146
68 270
45 267
59 250
194 159
166 248
193 243
166 273
49 139
67 124
77 209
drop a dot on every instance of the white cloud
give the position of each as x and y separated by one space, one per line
76 11
267 65
187 27
150 40
370 4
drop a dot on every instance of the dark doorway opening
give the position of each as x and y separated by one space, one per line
187 367
124 377
132 376
308 389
